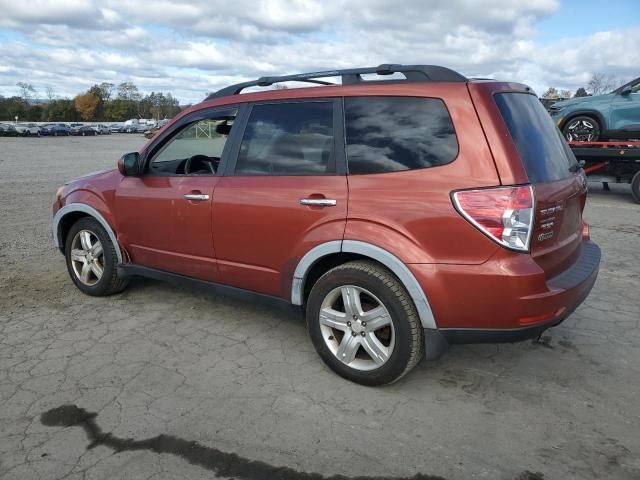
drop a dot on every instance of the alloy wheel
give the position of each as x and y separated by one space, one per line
87 257
581 130
357 327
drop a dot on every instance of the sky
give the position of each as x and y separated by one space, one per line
193 47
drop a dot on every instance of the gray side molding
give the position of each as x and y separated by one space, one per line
313 255
92 212
401 271
386 258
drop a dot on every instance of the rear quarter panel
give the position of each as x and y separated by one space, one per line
410 213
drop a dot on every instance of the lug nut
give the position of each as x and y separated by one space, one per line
355 317
354 333
348 324
364 324
362 333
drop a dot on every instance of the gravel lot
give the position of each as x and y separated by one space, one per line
160 382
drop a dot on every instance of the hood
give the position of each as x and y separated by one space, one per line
579 100
89 176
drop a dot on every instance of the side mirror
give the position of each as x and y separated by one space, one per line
626 91
129 164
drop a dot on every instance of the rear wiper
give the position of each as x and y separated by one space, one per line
576 167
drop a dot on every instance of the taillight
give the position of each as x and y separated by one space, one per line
505 214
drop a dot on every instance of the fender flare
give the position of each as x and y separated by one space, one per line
587 113
92 212
374 252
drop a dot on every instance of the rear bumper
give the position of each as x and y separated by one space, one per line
507 299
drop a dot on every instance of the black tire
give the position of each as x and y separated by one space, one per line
582 128
635 187
408 347
110 282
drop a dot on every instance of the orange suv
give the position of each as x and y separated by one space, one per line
401 213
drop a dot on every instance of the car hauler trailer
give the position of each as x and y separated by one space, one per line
611 162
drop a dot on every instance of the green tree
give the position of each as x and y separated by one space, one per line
581 92
128 91
119 110
12 107
62 111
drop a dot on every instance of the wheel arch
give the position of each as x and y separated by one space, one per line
325 256
71 213
587 113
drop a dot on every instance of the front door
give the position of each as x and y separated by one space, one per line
165 215
625 113
285 194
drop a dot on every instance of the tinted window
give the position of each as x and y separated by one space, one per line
202 142
288 139
544 153
390 134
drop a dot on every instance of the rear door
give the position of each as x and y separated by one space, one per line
285 193
560 186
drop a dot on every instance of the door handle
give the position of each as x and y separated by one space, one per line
196 197
318 202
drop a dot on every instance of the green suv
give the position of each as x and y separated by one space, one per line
614 115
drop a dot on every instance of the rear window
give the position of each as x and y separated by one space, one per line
391 134
544 152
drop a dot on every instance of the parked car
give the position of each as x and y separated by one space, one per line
615 115
101 129
28 129
116 128
83 130
55 130
398 221
8 130
151 132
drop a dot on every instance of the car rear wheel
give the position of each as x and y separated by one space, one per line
92 260
363 324
581 129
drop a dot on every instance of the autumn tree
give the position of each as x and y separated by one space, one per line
551 92
87 105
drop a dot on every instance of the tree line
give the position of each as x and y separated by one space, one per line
102 102
599 84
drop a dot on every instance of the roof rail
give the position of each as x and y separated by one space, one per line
412 73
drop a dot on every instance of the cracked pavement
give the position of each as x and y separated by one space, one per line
158 360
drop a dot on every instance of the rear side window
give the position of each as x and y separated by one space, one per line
288 139
391 134
544 153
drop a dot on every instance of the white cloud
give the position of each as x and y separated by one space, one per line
193 47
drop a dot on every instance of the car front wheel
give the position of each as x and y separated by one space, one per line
92 260
581 129
363 324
